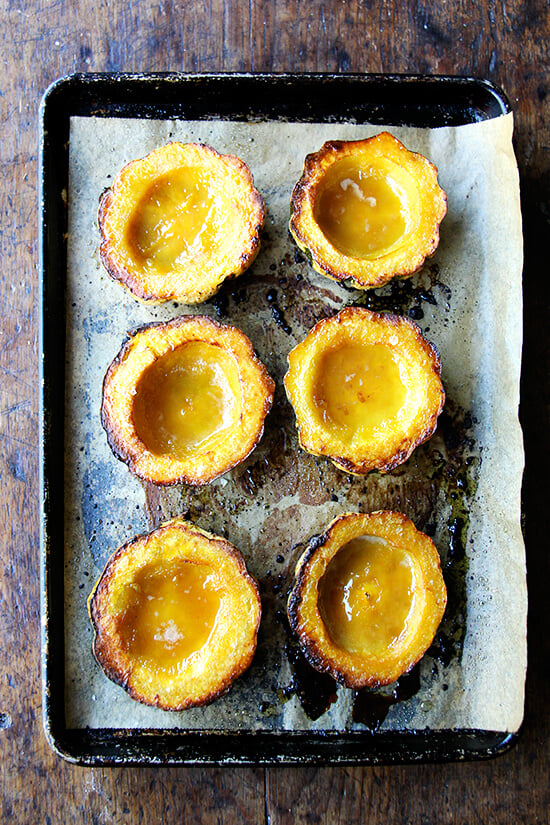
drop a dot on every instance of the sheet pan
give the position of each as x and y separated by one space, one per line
295 719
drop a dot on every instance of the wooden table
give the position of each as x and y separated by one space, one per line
505 42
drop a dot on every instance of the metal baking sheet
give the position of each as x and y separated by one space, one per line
250 99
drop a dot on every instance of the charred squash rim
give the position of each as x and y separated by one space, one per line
421 236
352 669
420 370
143 348
238 216
229 650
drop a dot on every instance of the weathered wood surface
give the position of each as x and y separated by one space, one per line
506 42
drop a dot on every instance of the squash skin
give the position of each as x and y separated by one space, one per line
199 279
421 362
355 670
144 346
420 240
231 646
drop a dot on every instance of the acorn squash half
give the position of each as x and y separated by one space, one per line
366 389
178 222
176 616
367 210
368 598
184 401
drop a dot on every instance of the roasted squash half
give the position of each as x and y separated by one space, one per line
178 222
176 616
367 210
185 401
368 598
366 389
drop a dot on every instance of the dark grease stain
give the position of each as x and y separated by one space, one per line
279 318
304 301
239 295
153 504
276 311
456 474
299 258
103 535
416 313
248 482
370 707
220 302
315 691
406 297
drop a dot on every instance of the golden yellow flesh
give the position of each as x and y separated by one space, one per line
357 388
168 614
173 221
366 596
187 399
362 211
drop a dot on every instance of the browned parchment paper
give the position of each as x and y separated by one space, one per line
463 486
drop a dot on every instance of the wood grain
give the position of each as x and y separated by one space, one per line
44 39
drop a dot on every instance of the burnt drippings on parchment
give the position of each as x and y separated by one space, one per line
409 296
105 529
316 691
455 469
284 295
290 299
370 707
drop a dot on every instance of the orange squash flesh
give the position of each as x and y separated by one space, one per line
368 598
366 389
175 615
185 401
367 210
178 222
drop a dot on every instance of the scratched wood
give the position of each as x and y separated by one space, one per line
42 40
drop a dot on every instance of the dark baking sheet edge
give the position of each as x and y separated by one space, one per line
390 99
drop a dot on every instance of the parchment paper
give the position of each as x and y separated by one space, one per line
468 302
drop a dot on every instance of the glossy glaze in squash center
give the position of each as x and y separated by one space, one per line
358 387
173 220
187 398
366 595
170 611
362 211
